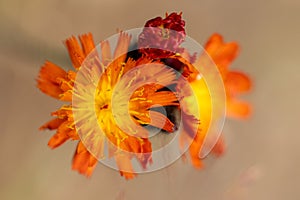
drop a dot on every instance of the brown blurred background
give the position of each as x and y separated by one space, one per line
262 160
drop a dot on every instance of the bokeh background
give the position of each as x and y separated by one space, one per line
262 160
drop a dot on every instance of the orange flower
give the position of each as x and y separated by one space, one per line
59 84
235 83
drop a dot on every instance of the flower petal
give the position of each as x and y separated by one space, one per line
47 79
57 139
163 98
106 52
219 147
53 124
83 161
120 55
66 96
75 52
87 43
238 109
222 53
237 82
155 119
122 47
124 164
62 134
194 151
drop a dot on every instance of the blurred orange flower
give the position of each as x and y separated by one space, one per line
235 83
222 54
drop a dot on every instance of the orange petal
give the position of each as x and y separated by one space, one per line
139 147
61 136
120 55
83 161
64 83
57 139
213 43
73 134
130 144
71 75
47 79
194 152
146 157
106 52
163 98
160 121
124 164
64 112
222 53
75 52
219 147
128 175
135 146
53 124
122 47
238 109
237 82
87 43
66 96
130 64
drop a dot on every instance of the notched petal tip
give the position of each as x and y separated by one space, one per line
47 79
75 52
221 52
87 43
